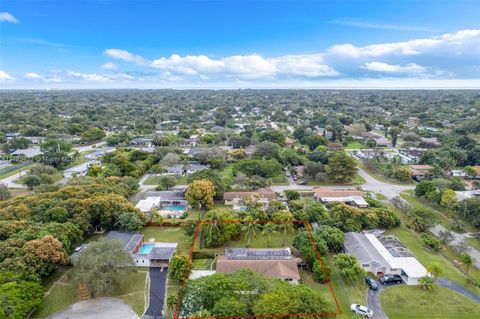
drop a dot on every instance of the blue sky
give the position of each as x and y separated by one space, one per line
216 44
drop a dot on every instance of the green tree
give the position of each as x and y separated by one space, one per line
214 177
102 266
426 282
4 192
402 174
268 230
348 266
166 182
292 194
449 199
172 300
435 270
230 306
177 267
17 295
249 230
129 221
424 187
273 136
32 181
467 261
318 271
92 134
341 168
333 236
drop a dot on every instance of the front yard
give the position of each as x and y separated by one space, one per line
62 293
403 301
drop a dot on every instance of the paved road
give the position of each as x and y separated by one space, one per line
85 148
158 282
457 288
386 189
9 181
457 242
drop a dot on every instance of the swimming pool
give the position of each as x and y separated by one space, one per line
146 249
175 208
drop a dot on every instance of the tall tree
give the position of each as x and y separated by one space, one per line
467 261
102 266
341 167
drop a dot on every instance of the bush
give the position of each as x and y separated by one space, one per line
431 242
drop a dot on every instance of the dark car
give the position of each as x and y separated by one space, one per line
371 283
390 279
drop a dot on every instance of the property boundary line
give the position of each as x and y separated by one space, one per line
307 226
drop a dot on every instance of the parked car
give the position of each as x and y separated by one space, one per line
390 279
371 283
361 310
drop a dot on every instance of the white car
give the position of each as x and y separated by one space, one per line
361 310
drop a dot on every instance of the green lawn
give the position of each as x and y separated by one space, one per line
64 293
280 180
202 263
413 302
358 180
169 235
346 292
474 242
355 146
445 258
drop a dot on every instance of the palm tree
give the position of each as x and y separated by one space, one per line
211 228
435 270
172 302
268 230
467 260
285 227
249 229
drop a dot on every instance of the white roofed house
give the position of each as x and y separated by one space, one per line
384 255
350 197
27 153
79 170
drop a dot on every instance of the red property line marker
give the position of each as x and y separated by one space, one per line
177 308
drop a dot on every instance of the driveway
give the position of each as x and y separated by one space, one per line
158 282
459 242
98 308
373 302
457 288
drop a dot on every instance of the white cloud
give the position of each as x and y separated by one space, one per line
4 76
32 76
124 56
91 77
461 41
375 25
8 17
304 65
385 67
109 66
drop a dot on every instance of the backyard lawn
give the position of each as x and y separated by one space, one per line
355 146
413 302
63 293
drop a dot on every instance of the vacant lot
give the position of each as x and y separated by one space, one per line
168 235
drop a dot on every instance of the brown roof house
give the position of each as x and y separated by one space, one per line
350 197
421 172
274 263
262 196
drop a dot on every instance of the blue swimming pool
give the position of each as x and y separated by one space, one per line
146 249
174 208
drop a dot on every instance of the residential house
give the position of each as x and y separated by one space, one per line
384 255
421 172
274 263
262 196
142 142
144 254
99 153
28 153
350 197
79 170
171 203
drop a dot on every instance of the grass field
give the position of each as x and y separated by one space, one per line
445 257
403 301
355 146
64 293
